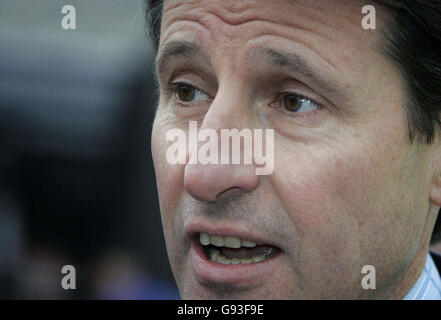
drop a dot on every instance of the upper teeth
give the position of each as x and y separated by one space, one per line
221 241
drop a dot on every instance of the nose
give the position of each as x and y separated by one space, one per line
206 182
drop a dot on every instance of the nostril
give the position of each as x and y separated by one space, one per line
232 192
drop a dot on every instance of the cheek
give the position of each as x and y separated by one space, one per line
335 197
326 180
318 189
168 177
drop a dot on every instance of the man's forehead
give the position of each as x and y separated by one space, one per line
330 17
235 5
238 7
331 27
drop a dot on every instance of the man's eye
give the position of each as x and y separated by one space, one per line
188 93
295 103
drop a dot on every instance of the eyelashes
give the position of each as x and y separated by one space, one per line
295 103
189 93
292 103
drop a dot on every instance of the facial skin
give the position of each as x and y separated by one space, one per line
348 188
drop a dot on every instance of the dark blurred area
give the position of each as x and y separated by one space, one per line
77 185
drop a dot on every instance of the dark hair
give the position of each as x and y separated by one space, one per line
153 19
412 40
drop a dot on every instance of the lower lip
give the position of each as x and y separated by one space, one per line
208 270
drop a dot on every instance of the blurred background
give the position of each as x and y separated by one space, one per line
77 185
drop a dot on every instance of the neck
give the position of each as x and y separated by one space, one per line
411 275
416 267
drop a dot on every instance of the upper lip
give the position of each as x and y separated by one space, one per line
193 229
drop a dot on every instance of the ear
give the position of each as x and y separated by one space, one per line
435 190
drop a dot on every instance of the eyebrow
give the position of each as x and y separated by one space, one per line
285 60
175 49
296 64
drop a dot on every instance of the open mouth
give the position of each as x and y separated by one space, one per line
232 250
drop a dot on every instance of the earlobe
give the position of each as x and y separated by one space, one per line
435 191
435 194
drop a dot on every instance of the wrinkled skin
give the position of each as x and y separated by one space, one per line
348 189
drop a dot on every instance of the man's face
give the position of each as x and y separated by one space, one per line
348 189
